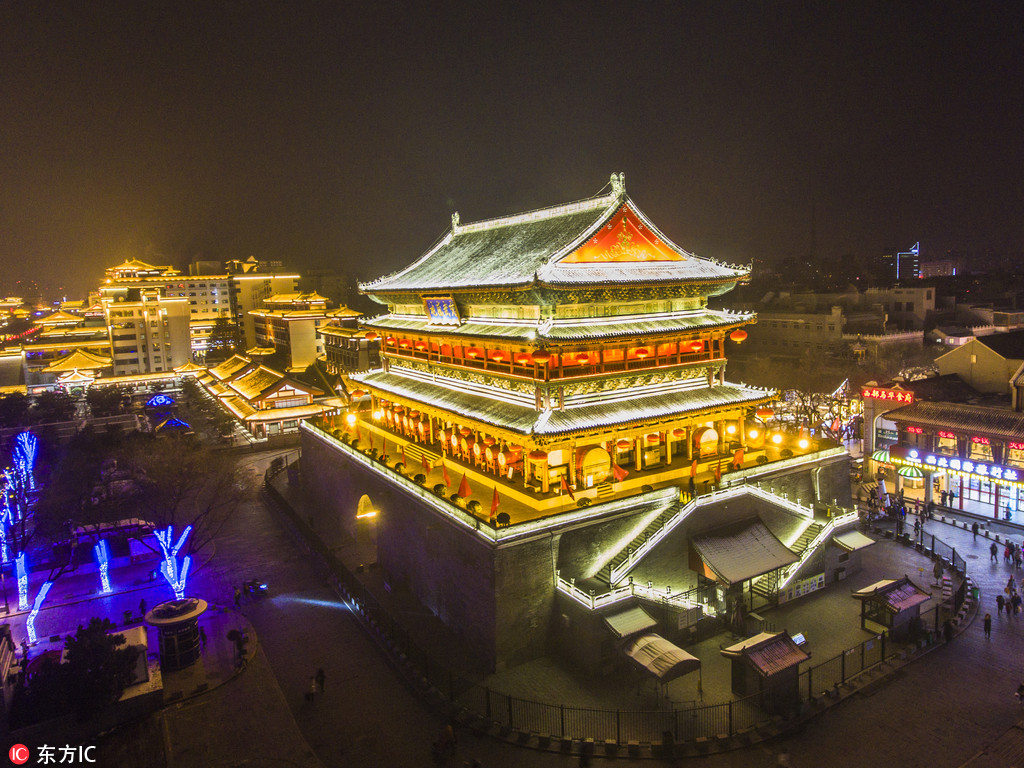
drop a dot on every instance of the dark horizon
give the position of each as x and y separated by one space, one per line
344 136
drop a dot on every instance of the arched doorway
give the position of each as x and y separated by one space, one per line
705 442
595 465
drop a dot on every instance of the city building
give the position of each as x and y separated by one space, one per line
60 334
149 332
289 324
552 392
903 265
266 402
986 363
209 297
349 350
251 290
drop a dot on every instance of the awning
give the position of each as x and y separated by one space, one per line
852 541
629 622
912 472
895 595
659 657
736 554
881 455
769 652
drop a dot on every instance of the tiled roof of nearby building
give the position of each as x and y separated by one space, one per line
525 249
742 552
78 359
567 330
1009 345
960 417
769 653
949 388
895 595
256 382
230 367
527 420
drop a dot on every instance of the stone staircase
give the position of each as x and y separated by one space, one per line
604 490
766 586
605 574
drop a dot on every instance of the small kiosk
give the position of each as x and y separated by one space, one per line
177 622
893 605
767 664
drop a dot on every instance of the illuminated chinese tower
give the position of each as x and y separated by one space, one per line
556 358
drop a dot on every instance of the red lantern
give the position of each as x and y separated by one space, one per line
653 439
623 445
765 413
414 414
696 346
679 433
404 343
421 345
390 340
489 441
371 335
524 359
538 455
738 335
399 409
642 354
356 394
541 356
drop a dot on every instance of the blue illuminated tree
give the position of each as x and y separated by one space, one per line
176 576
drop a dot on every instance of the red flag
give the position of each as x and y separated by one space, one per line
718 472
618 472
693 469
737 458
444 474
495 501
464 489
567 489
426 464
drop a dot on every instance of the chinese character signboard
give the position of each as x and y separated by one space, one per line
889 395
441 310
955 465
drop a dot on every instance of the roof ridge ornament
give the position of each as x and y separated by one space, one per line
618 182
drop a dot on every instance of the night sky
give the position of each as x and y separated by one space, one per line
344 134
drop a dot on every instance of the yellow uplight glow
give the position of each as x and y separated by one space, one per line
371 513
350 419
803 444
753 434
377 415
776 438
731 429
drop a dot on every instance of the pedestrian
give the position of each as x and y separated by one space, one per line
142 607
974 529
937 571
917 528
311 693
947 630
1000 601
988 626
238 598
693 488
945 495
1015 602
1016 558
994 552
952 497
1006 553
1009 514
202 638
320 677
24 655
1011 585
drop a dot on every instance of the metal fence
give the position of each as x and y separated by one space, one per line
558 721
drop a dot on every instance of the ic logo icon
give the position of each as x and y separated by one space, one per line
19 754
